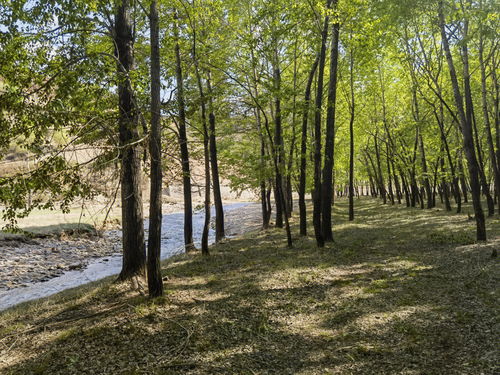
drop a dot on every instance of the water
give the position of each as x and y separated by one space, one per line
172 243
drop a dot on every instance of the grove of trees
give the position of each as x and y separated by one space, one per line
396 99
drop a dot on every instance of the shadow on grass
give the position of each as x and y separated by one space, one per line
398 292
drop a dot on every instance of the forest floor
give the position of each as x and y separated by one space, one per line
401 291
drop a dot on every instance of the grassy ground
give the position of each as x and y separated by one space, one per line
402 291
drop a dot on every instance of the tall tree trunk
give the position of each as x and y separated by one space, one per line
482 176
183 142
327 183
389 177
405 189
292 151
496 110
396 181
214 164
469 114
279 148
412 171
352 109
383 191
266 214
303 150
463 182
466 127
134 251
268 203
265 195
317 196
206 223
444 185
427 185
486 116
444 141
277 198
206 151
389 191
155 283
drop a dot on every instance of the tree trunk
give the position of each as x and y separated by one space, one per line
134 251
277 198
214 164
396 181
496 96
482 176
466 127
155 282
317 196
486 117
183 142
405 189
444 141
303 151
279 149
206 224
427 185
327 183
389 178
444 185
383 191
265 196
351 138
206 151
463 182
266 214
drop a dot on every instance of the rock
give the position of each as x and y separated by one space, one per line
75 266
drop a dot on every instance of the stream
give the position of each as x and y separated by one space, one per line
172 243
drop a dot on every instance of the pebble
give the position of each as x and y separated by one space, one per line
22 264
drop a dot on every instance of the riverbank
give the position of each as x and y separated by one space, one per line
402 291
50 259
25 260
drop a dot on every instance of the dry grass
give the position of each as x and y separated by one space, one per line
402 291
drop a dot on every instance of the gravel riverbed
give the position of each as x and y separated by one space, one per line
26 261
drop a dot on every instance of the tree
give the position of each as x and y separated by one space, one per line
155 282
134 252
327 182
183 143
465 125
317 194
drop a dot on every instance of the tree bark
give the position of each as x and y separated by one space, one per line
427 185
327 183
134 251
383 191
279 149
303 150
206 151
317 196
389 177
352 109
486 116
466 127
444 141
214 164
155 282
183 143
